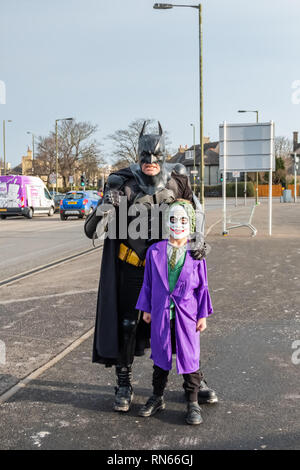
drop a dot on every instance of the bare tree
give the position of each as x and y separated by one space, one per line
119 165
45 162
283 146
283 149
77 151
125 141
89 164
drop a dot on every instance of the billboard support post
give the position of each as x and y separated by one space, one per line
224 181
236 175
270 178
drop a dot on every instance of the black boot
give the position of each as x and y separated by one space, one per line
123 392
154 404
193 413
206 394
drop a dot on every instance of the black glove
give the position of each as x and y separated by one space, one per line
200 252
113 196
92 222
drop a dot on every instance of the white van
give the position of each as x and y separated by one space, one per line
24 195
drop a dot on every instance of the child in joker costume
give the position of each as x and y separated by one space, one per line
175 299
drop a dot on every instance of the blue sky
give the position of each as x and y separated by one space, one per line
109 62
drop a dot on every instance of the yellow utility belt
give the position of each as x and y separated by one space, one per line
129 256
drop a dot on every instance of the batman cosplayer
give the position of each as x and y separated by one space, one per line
120 334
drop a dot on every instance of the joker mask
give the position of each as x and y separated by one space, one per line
178 222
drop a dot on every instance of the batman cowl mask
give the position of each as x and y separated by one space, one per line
151 149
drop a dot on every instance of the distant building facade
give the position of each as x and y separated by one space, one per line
2 167
185 156
212 173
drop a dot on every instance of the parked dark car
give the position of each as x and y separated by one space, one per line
57 198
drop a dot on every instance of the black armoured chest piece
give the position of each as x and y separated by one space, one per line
165 195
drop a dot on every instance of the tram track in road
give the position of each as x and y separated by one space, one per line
45 267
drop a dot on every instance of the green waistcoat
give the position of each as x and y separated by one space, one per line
173 275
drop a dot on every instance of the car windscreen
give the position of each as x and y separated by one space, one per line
74 196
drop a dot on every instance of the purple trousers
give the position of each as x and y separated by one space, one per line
191 382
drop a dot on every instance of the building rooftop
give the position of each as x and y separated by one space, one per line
186 157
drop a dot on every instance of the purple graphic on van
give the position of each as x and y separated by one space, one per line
24 195
10 191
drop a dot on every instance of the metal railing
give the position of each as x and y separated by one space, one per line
241 217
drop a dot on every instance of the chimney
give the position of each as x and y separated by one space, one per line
295 141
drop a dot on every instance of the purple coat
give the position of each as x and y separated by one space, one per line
192 301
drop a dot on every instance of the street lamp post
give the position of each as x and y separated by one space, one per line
4 147
246 111
56 145
167 6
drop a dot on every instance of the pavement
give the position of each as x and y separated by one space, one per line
246 353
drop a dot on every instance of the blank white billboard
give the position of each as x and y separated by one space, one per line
249 147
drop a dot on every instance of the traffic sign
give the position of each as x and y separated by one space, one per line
52 178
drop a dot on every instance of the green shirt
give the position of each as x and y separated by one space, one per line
173 275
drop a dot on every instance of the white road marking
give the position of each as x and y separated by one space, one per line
22 384
212 226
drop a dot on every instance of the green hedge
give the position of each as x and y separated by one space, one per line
216 191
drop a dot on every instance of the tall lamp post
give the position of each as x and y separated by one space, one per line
33 136
56 145
167 6
4 147
246 111
194 145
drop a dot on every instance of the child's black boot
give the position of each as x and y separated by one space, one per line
206 394
193 415
154 404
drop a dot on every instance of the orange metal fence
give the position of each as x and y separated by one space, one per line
263 190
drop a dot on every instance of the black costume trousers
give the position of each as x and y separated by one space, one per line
130 284
191 382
